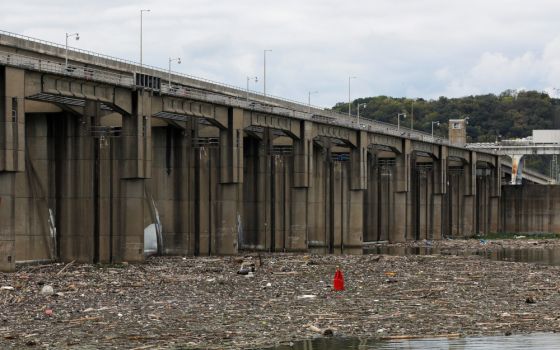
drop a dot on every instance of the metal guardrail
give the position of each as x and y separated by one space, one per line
85 73
516 148
263 103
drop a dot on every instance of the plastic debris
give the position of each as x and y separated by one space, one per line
47 290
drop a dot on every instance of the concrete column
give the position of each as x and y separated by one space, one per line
320 196
186 192
206 174
439 179
170 187
129 238
495 194
75 187
264 193
7 221
229 203
371 229
338 205
12 160
303 173
401 215
137 138
386 201
136 166
358 185
12 119
468 214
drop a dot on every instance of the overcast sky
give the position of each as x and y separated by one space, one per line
400 48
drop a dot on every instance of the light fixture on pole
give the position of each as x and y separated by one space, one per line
399 115
141 13
178 59
349 100
309 100
256 79
264 75
77 35
360 105
437 124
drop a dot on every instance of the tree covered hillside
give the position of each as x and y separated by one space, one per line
512 114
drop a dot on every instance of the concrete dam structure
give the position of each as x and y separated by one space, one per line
96 152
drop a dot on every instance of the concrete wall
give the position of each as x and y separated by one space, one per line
530 208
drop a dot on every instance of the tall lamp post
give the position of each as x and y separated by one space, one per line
360 105
141 13
77 35
309 100
399 115
256 79
349 99
437 124
264 75
412 116
178 59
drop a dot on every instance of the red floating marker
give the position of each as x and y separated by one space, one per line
338 281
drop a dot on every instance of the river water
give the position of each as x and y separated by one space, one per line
548 256
541 341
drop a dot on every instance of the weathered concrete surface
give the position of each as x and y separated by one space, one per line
530 208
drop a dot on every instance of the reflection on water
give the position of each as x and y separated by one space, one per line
547 256
515 342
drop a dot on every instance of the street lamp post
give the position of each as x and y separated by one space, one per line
349 99
412 116
399 115
178 59
360 105
309 100
437 124
256 79
77 35
264 75
141 13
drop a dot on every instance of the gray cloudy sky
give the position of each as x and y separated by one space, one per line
399 48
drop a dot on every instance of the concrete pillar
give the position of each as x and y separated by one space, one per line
75 186
320 194
170 187
401 215
136 166
7 221
206 175
439 179
12 159
12 119
371 218
302 180
338 205
265 175
229 203
358 185
495 194
105 179
468 214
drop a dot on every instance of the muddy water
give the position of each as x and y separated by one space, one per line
544 341
548 256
